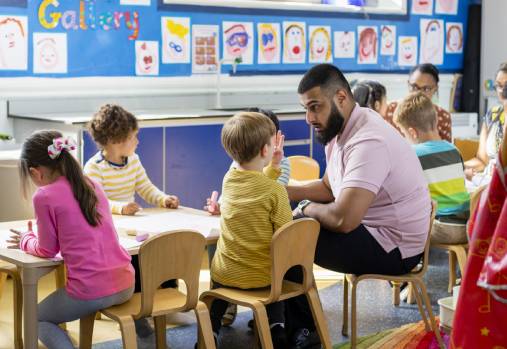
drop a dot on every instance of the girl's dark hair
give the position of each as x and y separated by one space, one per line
269 113
426 68
35 153
367 92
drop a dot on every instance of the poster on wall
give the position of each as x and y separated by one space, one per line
422 7
321 49
344 44
446 7
146 58
367 51
136 2
175 40
294 42
205 49
453 37
407 51
49 53
13 43
238 41
269 43
13 3
388 40
432 41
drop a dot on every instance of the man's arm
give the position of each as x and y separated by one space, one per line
317 191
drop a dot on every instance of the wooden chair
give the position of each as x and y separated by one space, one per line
303 168
171 255
415 278
7 269
457 253
293 244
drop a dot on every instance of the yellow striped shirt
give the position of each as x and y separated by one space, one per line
121 183
253 208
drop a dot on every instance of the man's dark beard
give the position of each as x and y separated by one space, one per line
333 127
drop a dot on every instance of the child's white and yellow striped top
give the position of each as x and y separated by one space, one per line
122 182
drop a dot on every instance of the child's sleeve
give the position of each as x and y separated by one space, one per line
45 243
147 190
281 212
93 171
284 177
271 172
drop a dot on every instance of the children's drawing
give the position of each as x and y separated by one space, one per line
49 53
388 40
368 45
13 3
238 42
136 2
453 37
422 7
407 50
446 7
344 44
13 43
175 40
205 48
269 43
294 42
432 41
320 44
146 57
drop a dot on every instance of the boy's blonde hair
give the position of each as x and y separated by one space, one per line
244 135
416 111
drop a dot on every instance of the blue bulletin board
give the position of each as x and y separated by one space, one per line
78 38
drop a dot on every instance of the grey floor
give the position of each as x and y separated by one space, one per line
375 312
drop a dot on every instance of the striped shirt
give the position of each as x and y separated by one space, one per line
443 168
284 176
253 208
122 182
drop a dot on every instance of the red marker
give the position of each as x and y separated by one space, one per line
213 201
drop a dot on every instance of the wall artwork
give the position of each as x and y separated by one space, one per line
238 41
205 49
146 58
388 40
269 43
136 2
49 53
294 42
320 47
446 7
432 41
175 40
422 7
453 37
407 51
13 43
367 51
13 3
344 44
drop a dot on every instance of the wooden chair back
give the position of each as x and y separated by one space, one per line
167 256
475 197
425 260
293 244
303 168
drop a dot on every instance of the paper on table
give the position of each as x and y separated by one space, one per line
127 243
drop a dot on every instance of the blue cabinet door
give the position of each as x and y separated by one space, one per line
319 155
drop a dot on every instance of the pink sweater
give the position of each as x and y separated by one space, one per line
97 266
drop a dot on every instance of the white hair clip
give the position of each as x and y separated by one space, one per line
59 144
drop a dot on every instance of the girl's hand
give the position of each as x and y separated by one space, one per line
212 208
172 201
130 209
16 235
278 151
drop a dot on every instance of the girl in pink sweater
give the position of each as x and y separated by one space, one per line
73 219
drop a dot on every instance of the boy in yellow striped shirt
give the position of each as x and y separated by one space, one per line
253 208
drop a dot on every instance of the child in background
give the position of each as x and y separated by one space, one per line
371 94
253 208
73 218
442 165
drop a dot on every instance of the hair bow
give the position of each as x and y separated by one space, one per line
59 144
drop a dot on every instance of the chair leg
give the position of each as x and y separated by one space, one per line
261 320
204 329
3 278
420 306
452 270
396 293
353 314
86 331
345 321
461 255
410 294
17 290
128 333
160 326
427 302
98 316
318 315
60 278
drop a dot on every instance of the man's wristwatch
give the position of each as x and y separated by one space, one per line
302 205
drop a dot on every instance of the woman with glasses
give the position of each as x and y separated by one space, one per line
492 130
424 78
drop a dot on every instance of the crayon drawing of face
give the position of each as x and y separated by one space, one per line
177 40
367 45
432 41
422 6
320 45
146 59
407 51
387 37
237 40
295 42
454 39
268 42
447 6
12 35
48 53
347 42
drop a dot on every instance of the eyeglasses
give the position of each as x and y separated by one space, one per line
238 39
175 47
267 38
416 88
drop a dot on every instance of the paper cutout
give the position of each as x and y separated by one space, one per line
422 7
321 49
453 37
388 40
175 40
238 41
13 43
294 42
136 2
147 57
205 51
49 53
446 7
407 50
368 45
269 43
432 41
344 44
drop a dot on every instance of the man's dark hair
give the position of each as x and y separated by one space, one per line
426 68
327 76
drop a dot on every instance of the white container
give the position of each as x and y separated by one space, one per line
446 311
455 295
